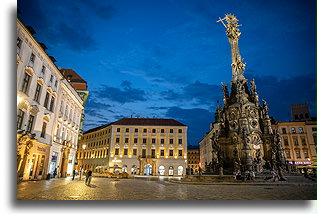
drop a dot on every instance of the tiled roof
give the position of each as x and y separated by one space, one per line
148 122
74 76
97 128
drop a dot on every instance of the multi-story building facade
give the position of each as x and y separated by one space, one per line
39 88
66 130
137 146
193 159
298 141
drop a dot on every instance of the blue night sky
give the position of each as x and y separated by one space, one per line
167 58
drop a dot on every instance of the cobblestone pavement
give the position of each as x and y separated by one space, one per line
156 189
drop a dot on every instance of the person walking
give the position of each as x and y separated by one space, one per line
80 173
55 172
74 173
88 177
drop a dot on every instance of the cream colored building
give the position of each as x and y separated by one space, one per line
40 86
205 147
298 141
137 146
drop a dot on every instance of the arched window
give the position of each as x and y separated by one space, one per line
180 170
161 170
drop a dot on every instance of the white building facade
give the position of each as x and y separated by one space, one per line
39 92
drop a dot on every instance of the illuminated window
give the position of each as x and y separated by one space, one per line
293 130
116 152
301 130
153 141
20 117
125 151
162 152
162 130
26 82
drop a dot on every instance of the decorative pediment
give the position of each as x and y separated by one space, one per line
40 80
24 105
47 117
34 109
49 89
29 70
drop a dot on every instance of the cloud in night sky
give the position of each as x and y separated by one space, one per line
197 119
124 94
201 93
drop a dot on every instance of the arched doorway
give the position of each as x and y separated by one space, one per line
148 169
162 170
171 171
180 170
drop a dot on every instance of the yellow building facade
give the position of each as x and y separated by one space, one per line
140 146
298 141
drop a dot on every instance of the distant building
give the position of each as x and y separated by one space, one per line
137 146
193 159
300 112
298 141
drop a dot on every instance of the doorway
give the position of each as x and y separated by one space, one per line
148 169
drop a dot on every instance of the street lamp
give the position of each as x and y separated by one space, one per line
84 146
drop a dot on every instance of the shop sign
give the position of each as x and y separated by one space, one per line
117 161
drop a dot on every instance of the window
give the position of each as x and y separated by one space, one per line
180 152
144 130
136 130
306 154
126 140
153 153
116 152
118 129
43 130
153 141
47 97
293 130
301 130
162 152
314 129
288 154
284 130
285 141
162 141
153 130
43 70
19 44
180 130
303 141
180 141
51 78
135 140
56 83
144 140
143 153
171 130
37 92
117 140
52 104
32 59
297 154
135 152
30 123
171 141
125 151
171 153
295 141
20 117
26 82
127 130
162 130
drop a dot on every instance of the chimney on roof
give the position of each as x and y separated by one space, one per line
31 30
